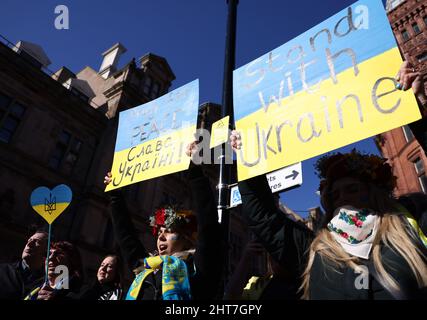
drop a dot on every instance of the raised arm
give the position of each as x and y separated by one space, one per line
285 240
209 255
124 231
408 78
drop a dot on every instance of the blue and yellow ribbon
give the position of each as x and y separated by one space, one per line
175 280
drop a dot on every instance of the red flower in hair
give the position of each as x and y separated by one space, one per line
158 220
160 217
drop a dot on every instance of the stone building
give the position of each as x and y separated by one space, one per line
59 128
408 20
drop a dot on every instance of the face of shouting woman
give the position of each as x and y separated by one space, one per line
169 242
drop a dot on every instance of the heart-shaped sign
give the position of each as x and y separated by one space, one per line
51 203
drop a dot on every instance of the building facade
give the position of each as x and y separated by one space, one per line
60 128
408 20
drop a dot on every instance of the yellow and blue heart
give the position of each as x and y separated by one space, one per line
51 203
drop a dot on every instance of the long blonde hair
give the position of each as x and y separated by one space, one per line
391 233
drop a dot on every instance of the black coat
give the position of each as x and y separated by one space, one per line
97 291
208 258
15 283
289 243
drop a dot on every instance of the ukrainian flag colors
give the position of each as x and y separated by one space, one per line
327 88
151 138
51 203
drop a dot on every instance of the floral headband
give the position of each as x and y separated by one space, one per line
366 167
182 221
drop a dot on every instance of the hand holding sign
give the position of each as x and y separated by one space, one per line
408 77
51 203
235 140
151 137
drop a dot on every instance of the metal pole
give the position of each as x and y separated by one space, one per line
227 110
227 105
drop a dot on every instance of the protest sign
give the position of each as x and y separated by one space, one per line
329 87
219 132
51 203
151 138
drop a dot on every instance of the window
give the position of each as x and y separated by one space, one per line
79 94
407 133
416 28
419 166
423 182
393 4
405 35
422 57
419 169
66 152
147 85
31 59
11 113
155 90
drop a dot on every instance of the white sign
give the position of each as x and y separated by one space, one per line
285 178
235 197
278 180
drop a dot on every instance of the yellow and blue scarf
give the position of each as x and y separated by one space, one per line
175 282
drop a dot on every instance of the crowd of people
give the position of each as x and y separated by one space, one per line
370 245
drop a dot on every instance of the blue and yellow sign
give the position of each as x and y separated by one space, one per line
151 138
327 88
51 203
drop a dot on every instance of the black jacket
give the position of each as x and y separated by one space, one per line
208 258
289 242
15 283
98 291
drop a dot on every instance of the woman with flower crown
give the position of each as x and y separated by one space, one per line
190 257
366 249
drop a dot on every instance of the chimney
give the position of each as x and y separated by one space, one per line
63 74
111 58
33 53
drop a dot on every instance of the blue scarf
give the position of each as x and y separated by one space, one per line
175 280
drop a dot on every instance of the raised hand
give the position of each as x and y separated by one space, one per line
235 140
46 293
407 78
108 178
192 149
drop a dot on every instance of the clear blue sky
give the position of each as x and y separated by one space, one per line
190 34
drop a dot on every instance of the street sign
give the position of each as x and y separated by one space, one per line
235 197
279 180
285 178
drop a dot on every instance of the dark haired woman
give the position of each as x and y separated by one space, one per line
64 274
107 285
186 267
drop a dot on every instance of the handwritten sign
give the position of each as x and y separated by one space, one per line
327 88
151 138
51 203
219 132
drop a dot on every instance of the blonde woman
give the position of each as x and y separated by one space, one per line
366 248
